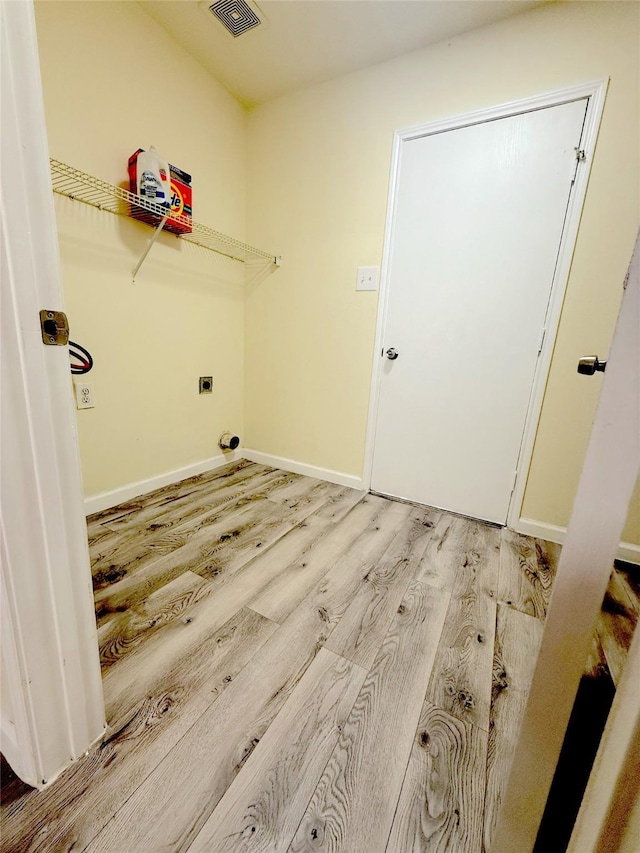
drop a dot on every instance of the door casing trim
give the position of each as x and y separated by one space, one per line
595 91
50 657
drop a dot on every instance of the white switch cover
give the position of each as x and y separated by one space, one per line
367 278
84 396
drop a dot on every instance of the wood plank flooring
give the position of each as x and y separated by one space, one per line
290 665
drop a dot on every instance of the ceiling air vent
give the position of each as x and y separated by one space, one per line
236 15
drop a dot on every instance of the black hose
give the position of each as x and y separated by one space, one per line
85 359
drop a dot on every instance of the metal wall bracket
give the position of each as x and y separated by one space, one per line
153 239
55 328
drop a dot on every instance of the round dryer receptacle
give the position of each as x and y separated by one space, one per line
228 441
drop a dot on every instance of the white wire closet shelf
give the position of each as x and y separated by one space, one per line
80 186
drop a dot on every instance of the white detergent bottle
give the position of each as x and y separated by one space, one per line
153 178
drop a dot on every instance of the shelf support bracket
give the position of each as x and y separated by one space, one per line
153 239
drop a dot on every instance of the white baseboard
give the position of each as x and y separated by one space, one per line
105 500
627 551
350 480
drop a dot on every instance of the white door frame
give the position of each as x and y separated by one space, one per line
52 703
610 810
596 92
611 467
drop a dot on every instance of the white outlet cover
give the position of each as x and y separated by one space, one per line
84 395
367 278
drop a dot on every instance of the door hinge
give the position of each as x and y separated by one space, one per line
55 328
513 485
544 332
581 156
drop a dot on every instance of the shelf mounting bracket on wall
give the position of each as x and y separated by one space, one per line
80 186
153 239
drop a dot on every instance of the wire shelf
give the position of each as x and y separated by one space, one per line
80 186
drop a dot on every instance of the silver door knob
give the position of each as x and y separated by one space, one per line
392 353
588 365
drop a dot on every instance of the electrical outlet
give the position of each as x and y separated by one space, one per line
84 396
367 278
206 385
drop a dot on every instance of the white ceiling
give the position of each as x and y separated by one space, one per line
309 41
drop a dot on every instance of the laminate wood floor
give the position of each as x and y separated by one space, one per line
290 665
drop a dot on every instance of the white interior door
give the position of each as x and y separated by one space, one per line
52 707
611 467
477 225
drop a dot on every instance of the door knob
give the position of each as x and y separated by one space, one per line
588 365
392 353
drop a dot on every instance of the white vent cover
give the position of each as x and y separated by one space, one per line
236 15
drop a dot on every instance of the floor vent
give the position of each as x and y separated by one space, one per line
236 15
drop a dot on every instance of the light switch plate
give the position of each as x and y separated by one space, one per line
367 278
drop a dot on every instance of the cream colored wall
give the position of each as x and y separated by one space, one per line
114 81
317 179
317 190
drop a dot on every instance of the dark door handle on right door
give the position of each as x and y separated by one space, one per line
588 365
